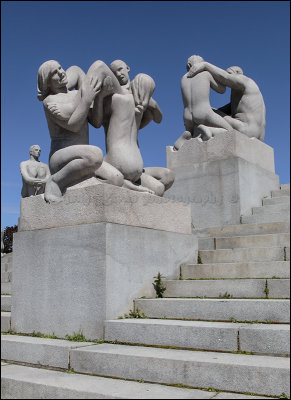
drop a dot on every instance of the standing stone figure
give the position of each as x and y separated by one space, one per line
124 113
245 113
2 243
35 174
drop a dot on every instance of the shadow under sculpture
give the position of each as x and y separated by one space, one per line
35 174
245 113
100 99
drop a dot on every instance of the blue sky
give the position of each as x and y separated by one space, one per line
151 37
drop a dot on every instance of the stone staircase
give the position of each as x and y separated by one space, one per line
221 331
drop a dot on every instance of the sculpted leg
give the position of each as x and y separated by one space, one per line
181 140
69 165
109 174
163 175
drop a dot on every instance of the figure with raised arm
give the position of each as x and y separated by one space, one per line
67 112
246 112
35 174
123 115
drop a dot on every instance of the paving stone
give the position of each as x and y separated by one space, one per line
270 240
277 200
6 302
242 255
279 288
282 192
5 321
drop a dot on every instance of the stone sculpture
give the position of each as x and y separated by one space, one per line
35 174
102 97
245 112
124 113
2 242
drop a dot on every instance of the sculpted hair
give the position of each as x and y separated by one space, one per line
32 147
194 59
235 69
114 64
43 76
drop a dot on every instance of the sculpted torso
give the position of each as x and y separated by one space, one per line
249 108
195 93
60 136
121 136
35 169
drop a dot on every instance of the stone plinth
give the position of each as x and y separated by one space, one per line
222 178
94 257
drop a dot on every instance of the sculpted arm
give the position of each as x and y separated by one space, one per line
74 123
25 175
152 113
220 75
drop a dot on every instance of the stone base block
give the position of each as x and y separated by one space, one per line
71 279
222 178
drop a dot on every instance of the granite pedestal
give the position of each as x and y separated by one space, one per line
84 260
222 178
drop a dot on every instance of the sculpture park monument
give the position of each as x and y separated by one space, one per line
222 167
100 232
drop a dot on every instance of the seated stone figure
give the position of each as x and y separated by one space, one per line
245 112
35 174
68 112
122 115
198 113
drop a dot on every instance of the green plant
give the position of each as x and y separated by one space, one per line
284 396
159 286
225 296
266 289
199 261
76 337
8 238
135 314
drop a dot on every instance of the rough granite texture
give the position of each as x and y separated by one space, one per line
105 203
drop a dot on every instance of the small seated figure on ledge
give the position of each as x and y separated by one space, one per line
245 113
35 174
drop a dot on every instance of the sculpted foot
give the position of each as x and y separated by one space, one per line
52 193
182 139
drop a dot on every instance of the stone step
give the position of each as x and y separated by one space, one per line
265 375
228 288
261 310
285 186
5 321
6 302
267 269
202 335
268 240
266 217
5 287
243 230
38 351
242 255
276 200
282 192
23 382
271 209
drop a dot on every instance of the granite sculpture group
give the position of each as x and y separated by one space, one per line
106 97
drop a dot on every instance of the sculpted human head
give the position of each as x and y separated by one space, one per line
51 78
120 70
235 70
193 60
35 150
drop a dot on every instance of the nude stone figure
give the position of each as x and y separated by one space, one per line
123 114
68 112
245 112
35 174
198 113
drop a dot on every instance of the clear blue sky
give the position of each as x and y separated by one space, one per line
151 37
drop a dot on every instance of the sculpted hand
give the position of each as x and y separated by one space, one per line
195 69
90 88
55 110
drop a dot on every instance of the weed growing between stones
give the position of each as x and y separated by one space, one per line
199 261
135 314
225 296
76 337
266 289
159 286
